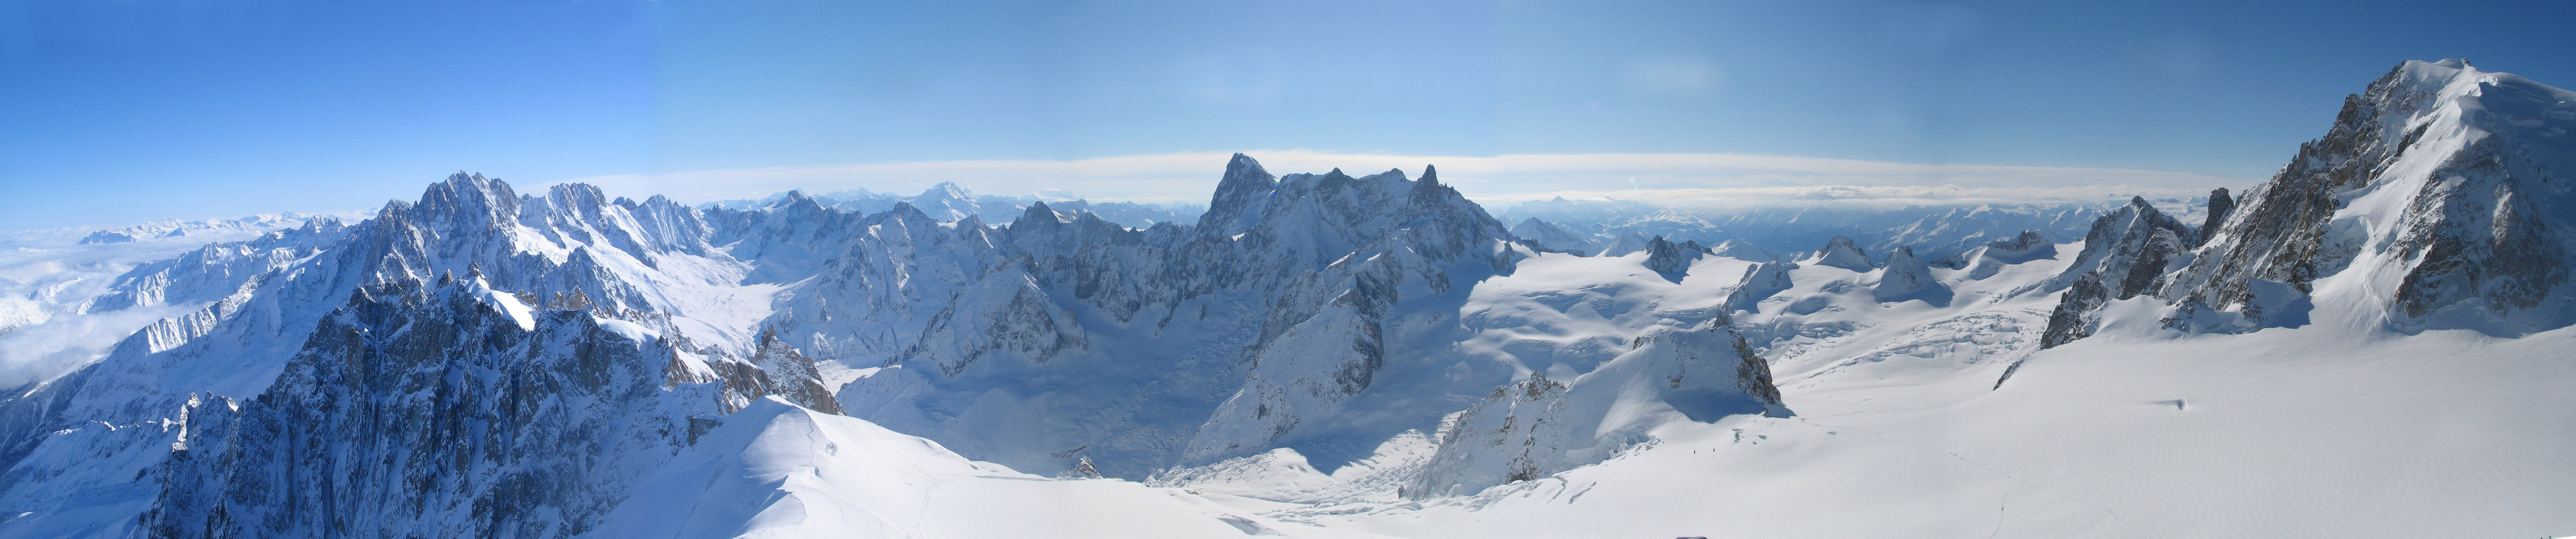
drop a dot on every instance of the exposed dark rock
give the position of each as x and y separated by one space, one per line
2126 254
1672 260
2219 206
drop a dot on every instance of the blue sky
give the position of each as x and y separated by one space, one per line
126 110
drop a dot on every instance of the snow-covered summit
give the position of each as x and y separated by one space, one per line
2436 201
1324 349
171 228
949 201
1839 252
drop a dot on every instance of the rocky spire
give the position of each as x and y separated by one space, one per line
2219 206
1672 260
1244 187
2127 253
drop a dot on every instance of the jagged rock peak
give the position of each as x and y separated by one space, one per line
1039 214
2439 182
1840 252
1245 167
1423 186
2219 206
2128 252
1430 175
1244 186
1673 260
2026 241
2127 248
469 196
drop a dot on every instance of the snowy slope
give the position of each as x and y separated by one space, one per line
1901 430
779 470
2368 345
2281 433
2439 192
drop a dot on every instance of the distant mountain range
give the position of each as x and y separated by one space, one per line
949 202
2370 343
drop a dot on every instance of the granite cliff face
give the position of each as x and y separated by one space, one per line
2127 253
427 411
2437 197
415 371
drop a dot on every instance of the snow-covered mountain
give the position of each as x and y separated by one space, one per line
2435 200
949 202
454 346
52 280
1933 232
1330 355
171 228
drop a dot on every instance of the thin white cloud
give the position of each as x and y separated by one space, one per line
1707 179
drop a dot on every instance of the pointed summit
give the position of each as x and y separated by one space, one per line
1037 214
468 202
1907 277
1840 252
796 200
1430 174
2436 182
2219 206
1671 260
946 190
1244 187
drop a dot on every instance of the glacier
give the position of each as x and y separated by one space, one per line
2378 326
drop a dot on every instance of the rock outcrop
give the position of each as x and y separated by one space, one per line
1839 252
2125 254
2438 186
1539 426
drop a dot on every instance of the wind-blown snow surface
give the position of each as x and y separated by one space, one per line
2281 433
779 470
1328 355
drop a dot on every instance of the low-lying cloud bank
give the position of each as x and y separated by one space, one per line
1695 179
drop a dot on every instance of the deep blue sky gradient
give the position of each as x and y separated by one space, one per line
122 110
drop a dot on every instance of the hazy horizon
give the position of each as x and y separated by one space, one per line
147 111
